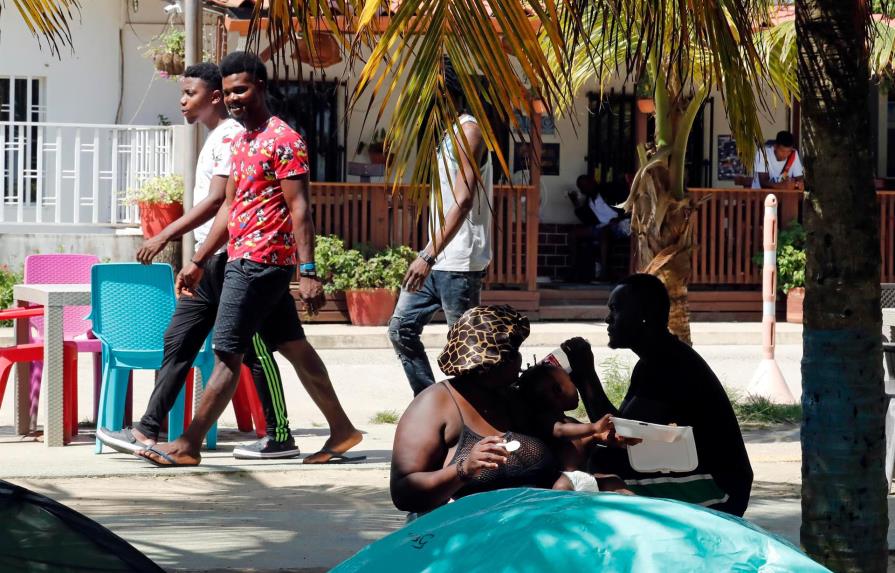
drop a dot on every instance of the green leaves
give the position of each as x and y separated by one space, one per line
160 190
791 257
347 269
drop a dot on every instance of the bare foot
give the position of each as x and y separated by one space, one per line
335 446
176 453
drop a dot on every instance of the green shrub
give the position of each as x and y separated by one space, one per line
344 269
8 278
159 190
790 257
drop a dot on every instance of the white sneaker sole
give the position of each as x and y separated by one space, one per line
119 446
249 455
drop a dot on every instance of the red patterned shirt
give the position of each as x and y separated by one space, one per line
260 224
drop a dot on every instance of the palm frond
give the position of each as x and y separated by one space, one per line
494 49
712 45
48 20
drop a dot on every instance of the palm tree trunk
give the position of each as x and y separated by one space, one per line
844 510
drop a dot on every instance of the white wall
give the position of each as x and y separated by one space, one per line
84 86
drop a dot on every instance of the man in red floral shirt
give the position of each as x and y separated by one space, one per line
267 215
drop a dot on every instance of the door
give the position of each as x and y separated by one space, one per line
312 109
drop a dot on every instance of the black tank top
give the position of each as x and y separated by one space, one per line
532 465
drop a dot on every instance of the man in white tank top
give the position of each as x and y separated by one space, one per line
449 271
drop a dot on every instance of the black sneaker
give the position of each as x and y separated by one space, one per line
122 441
267 449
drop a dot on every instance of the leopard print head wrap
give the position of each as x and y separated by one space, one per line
482 338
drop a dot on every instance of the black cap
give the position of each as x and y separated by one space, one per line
784 139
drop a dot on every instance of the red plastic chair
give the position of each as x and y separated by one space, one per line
246 404
30 352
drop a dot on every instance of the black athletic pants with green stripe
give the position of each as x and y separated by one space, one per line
190 325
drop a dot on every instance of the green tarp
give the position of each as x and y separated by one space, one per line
40 535
541 531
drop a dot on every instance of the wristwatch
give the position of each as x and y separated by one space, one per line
430 260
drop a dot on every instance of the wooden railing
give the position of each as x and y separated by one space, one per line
728 233
371 214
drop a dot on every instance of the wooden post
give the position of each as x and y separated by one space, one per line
533 199
379 215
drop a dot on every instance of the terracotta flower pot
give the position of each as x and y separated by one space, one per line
795 298
156 216
371 306
326 51
646 105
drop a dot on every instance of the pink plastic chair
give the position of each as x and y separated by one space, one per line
64 269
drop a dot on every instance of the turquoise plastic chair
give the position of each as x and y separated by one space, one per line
132 305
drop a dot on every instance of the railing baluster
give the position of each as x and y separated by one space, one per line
95 215
57 178
20 173
39 176
4 177
114 188
77 171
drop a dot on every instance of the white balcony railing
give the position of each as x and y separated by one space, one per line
77 174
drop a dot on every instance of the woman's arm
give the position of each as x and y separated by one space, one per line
418 480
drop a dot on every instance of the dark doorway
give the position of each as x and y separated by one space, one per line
611 142
312 108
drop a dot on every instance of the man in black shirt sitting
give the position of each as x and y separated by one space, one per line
670 384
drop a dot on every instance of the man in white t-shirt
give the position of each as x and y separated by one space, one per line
777 165
193 319
449 271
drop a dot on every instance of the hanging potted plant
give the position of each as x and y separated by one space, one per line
790 269
370 283
161 203
169 53
645 92
326 51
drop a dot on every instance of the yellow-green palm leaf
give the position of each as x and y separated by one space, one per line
48 20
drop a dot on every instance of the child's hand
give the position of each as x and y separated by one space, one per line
604 431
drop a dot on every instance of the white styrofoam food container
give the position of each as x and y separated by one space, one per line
663 449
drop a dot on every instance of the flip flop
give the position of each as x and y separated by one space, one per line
336 458
171 463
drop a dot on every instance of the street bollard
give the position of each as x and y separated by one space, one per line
768 380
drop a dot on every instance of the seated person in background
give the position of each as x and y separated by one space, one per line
777 165
670 384
607 222
549 393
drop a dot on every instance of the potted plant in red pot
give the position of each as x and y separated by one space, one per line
790 269
371 281
376 149
161 203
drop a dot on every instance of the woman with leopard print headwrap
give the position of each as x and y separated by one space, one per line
459 437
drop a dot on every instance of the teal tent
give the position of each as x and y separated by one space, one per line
541 531
39 535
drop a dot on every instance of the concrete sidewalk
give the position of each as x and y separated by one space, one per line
346 336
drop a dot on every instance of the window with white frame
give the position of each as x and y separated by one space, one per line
21 102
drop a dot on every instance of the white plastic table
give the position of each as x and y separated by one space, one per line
54 299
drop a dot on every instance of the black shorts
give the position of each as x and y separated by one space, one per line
255 297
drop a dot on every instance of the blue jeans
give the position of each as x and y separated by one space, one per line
451 291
